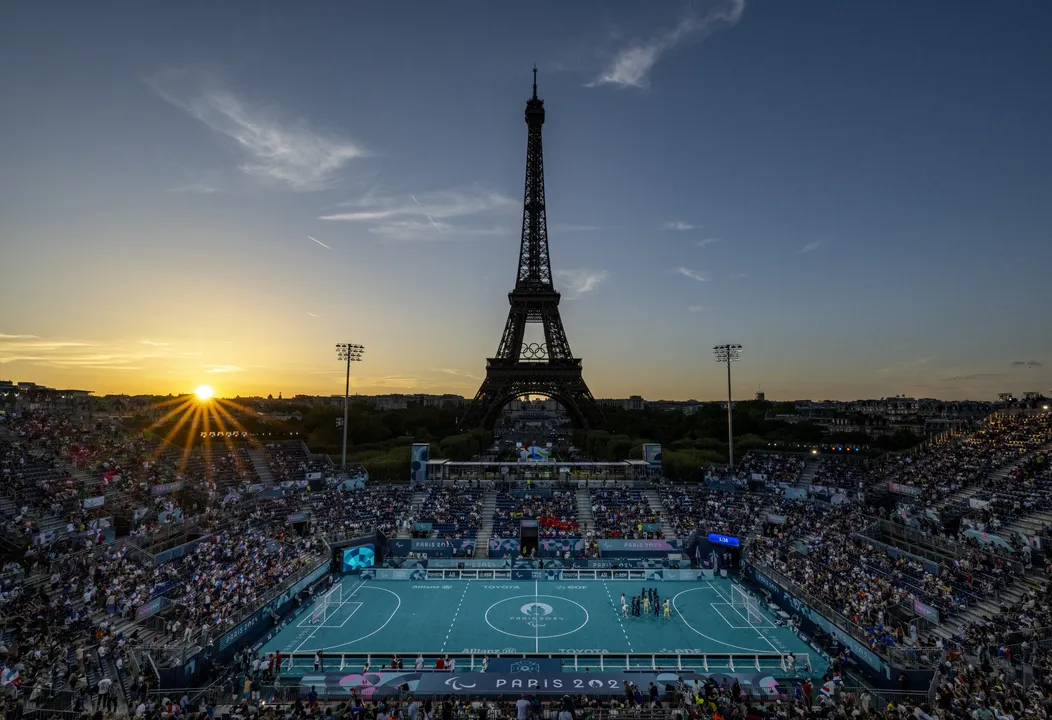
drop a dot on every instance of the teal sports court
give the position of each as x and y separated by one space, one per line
378 618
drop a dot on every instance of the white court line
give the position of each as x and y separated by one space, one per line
398 600
762 636
740 627
536 622
698 632
360 583
617 614
455 614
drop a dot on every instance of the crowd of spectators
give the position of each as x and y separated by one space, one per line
693 508
454 511
624 514
842 472
291 461
555 510
939 471
69 605
775 467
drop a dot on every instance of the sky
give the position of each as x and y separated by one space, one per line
199 193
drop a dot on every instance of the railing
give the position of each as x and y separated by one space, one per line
571 662
897 656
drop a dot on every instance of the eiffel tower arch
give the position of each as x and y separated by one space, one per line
546 368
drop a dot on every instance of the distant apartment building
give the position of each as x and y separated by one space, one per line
30 396
632 402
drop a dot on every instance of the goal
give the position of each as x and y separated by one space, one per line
746 604
328 604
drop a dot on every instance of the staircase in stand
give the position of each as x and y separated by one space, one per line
584 511
807 475
958 505
259 464
654 500
489 506
405 531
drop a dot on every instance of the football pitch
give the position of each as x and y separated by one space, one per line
515 616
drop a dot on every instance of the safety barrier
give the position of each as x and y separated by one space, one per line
679 661
527 574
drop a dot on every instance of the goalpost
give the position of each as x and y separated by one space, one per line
746 604
328 604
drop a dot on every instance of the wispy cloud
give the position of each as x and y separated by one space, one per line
906 365
278 152
973 376
706 242
571 228
1026 363
692 274
458 373
697 308
810 247
631 65
320 243
581 281
421 216
224 369
737 276
680 226
154 343
77 354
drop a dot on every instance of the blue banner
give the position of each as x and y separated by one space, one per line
177 552
526 676
639 548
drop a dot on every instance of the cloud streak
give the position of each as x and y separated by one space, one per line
692 274
320 243
706 242
279 153
630 67
810 247
224 369
679 226
424 216
581 281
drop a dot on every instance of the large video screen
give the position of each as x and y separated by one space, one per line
357 557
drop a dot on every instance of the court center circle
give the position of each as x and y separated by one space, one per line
543 614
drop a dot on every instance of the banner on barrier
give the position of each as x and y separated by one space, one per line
165 488
531 676
926 611
94 502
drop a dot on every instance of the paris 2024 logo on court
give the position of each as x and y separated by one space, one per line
535 614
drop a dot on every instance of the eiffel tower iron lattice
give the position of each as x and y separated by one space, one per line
520 368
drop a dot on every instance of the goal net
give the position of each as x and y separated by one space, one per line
746 604
328 604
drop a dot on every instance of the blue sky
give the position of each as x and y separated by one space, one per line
856 192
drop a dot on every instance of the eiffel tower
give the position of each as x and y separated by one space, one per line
547 368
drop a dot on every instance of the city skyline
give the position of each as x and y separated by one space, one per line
858 200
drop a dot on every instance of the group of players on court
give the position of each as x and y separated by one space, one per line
646 603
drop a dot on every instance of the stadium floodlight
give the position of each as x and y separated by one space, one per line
348 353
728 354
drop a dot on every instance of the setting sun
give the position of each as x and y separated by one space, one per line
203 392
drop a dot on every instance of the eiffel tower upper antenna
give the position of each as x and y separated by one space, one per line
535 81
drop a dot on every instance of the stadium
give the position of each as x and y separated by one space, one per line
793 570
529 551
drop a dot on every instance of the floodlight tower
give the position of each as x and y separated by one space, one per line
728 354
347 352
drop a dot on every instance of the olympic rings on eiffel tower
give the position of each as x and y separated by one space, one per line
533 351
